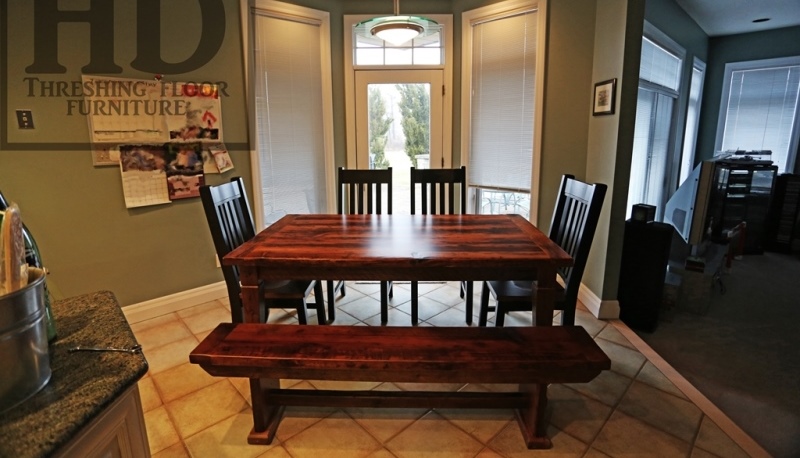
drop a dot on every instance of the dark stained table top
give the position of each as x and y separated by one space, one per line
399 247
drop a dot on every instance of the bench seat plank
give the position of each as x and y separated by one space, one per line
402 354
529 356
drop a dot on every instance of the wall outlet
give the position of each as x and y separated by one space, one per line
25 119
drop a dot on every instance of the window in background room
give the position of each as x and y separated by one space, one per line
293 118
692 120
654 146
759 109
501 51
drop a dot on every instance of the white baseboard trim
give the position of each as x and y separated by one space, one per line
159 306
134 313
603 310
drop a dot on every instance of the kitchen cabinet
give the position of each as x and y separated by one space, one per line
91 405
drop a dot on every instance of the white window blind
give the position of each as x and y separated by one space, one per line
653 146
659 66
289 118
502 103
761 112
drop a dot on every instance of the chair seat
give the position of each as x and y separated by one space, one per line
520 291
294 289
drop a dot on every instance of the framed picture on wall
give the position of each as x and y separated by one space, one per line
605 94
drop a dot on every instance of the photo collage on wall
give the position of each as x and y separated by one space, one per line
164 136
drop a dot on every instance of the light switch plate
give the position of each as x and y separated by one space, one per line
25 119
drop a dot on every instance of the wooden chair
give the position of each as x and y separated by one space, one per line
574 222
361 192
231 223
438 188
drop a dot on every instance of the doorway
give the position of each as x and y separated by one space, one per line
399 125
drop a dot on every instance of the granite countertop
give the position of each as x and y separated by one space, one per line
82 384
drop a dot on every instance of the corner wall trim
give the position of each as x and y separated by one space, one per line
604 310
159 306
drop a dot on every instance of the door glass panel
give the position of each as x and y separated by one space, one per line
399 134
651 141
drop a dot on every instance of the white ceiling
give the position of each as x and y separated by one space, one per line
729 17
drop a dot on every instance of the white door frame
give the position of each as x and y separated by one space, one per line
446 20
363 78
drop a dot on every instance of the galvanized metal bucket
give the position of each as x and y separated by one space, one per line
24 354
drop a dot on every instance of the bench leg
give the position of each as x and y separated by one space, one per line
533 419
266 418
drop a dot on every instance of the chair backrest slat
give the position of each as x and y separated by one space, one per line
442 185
363 190
575 219
231 223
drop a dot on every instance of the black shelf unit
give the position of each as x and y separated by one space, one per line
741 192
783 229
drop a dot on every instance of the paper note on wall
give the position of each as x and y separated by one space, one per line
185 171
123 110
144 177
199 113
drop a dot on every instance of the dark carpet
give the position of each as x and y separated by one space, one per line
744 353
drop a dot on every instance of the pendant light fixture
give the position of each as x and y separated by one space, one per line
397 29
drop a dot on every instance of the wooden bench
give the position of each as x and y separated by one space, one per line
529 356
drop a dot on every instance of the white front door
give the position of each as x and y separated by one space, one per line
399 124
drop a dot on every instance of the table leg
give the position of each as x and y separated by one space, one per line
251 294
384 302
265 419
544 297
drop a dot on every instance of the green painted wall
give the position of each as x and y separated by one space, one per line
668 17
90 241
617 46
568 94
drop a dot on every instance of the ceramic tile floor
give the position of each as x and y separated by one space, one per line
641 407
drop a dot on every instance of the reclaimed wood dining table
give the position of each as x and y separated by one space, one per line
400 248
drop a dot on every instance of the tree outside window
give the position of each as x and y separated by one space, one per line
379 123
415 108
